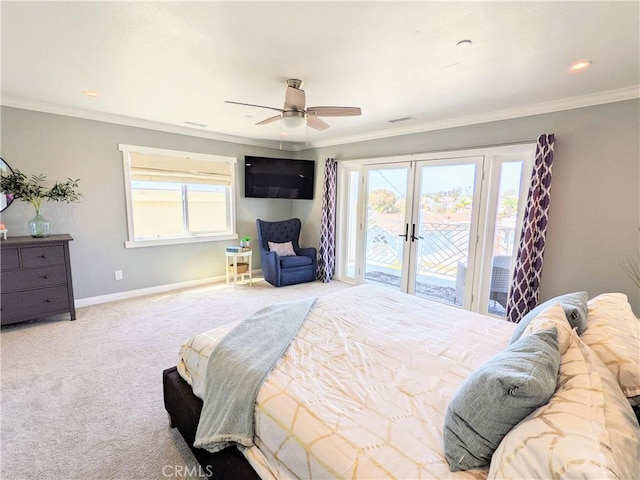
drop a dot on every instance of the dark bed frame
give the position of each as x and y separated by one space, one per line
184 410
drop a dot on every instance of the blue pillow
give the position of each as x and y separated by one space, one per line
575 308
498 396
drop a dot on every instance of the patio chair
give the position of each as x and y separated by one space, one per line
500 280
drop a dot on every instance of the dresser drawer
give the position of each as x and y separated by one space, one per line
27 278
42 256
33 303
9 258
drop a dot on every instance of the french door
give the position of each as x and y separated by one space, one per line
386 220
420 218
440 228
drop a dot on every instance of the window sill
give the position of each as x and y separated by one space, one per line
179 241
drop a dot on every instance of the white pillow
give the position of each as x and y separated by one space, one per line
587 430
282 249
613 332
552 317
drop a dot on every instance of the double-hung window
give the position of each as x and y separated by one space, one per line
177 197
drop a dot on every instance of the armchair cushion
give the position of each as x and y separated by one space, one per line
282 249
296 261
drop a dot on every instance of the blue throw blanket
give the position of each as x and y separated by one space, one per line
237 368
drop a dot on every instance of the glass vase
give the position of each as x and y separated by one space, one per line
39 226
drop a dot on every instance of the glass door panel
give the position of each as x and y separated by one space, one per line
445 224
504 236
351 224
386 225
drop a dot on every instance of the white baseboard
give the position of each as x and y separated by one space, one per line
85 302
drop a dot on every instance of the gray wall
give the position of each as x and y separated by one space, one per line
595 193
60 147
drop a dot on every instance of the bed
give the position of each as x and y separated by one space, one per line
374 380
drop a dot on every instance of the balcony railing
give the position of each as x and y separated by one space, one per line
442 246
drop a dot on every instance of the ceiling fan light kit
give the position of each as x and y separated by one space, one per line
294 115
293 119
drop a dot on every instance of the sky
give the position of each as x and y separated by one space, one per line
441 178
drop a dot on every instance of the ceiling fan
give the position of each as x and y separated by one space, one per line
295 115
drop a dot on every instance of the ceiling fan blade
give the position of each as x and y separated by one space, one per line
294 99
315 122
252 105
275 118
335 111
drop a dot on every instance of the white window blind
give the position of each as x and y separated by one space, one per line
156 168
178 197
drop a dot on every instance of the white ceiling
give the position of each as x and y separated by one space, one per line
177 62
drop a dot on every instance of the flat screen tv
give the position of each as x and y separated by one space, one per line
278 178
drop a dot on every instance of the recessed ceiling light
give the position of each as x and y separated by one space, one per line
90 93
464 44
580 65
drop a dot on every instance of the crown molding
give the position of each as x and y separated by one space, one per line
610 96
26 104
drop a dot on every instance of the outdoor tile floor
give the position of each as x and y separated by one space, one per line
423 289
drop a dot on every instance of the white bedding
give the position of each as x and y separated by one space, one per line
363 389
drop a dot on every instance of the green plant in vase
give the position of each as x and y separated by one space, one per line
245 241
32 189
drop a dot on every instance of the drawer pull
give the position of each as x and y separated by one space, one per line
48 300
44 255
45 277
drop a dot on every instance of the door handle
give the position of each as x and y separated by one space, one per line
413 233
406 232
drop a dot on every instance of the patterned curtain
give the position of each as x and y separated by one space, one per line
327 260
525 284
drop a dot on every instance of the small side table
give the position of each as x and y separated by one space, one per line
233 257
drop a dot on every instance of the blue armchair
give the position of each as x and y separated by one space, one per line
285 270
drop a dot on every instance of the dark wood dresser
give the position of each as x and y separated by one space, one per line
35 278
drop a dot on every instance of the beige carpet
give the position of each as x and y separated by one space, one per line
83 399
